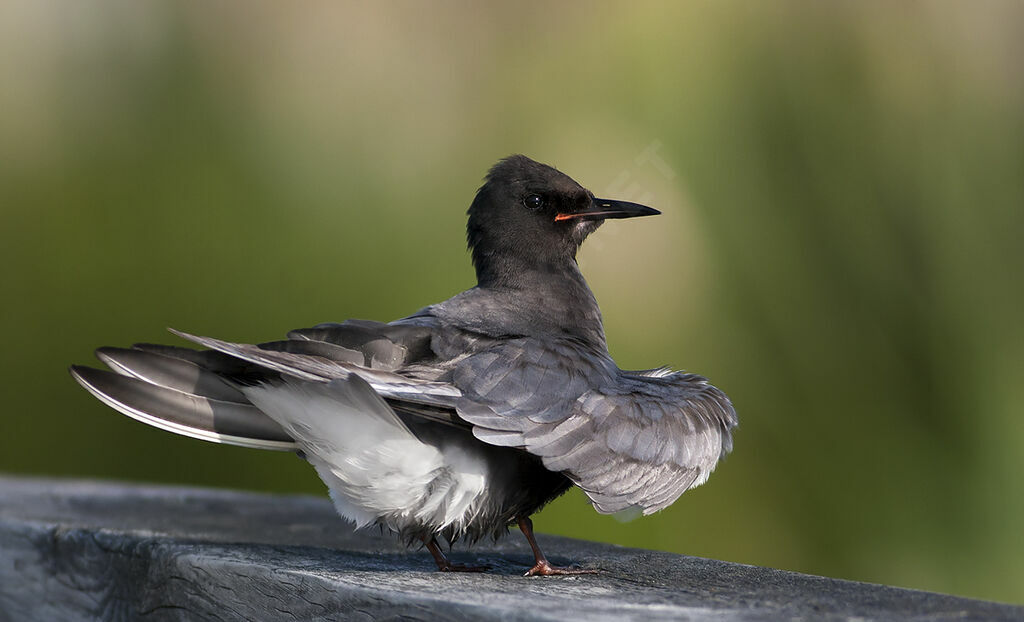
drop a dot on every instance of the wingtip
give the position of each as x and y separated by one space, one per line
186 336
105 353
80 371
179 412
83 375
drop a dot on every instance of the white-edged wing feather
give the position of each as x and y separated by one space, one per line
315 368
199 417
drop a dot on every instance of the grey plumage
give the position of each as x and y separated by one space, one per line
184 413
468 415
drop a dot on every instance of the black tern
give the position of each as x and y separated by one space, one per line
468 416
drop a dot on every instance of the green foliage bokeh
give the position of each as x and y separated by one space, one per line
842 187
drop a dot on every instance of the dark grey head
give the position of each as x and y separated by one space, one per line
529 216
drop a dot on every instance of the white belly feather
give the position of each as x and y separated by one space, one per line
376 469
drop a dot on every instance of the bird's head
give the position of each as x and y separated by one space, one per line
529 215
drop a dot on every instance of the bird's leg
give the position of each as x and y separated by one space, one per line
443 564
542 566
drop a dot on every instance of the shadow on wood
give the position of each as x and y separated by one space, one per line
73 550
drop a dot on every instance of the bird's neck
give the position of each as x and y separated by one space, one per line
547 296
498 269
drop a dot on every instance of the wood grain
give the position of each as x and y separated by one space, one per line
78 550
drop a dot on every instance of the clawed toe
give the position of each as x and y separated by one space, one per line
544 569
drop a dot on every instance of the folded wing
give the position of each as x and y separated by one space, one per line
201 393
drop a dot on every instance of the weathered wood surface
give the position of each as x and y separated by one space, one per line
76 550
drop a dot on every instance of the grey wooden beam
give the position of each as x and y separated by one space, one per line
79 550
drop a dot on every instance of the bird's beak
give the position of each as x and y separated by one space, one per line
607 208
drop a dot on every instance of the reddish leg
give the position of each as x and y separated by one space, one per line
542 566
442 561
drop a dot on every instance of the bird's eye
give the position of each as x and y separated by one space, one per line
534 201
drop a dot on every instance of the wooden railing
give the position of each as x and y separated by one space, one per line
79 550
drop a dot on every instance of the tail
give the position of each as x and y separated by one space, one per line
182 391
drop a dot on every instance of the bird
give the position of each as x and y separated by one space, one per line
468 416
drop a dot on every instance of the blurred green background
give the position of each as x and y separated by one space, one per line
843 195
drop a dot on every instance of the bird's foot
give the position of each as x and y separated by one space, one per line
544 569
444 564
450 567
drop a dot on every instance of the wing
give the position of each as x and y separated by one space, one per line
629 440
199 393
641 446
305 360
